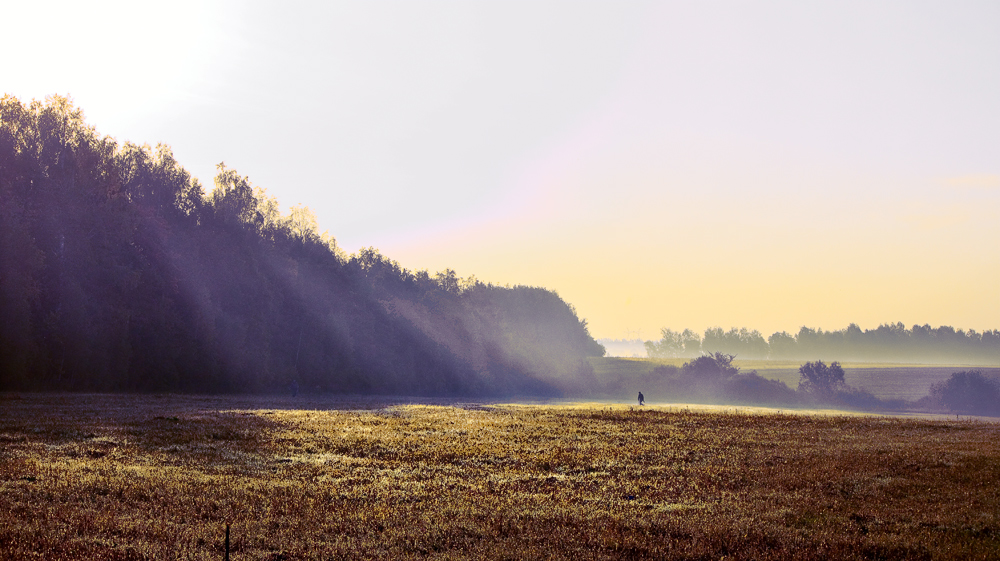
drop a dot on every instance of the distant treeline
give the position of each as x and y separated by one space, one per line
119 273
888 342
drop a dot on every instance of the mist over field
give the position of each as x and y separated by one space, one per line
686 165
559 280
121 273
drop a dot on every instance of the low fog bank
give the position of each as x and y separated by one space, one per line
119 272
715 380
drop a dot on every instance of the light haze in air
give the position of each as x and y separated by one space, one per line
658 164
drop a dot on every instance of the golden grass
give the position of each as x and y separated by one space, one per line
125 477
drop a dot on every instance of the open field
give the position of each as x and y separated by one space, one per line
883 380
158 477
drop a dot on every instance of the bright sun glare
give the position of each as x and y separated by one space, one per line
119 60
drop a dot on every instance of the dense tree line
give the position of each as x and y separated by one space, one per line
119 273
888 342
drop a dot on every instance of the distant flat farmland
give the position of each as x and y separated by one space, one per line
883 380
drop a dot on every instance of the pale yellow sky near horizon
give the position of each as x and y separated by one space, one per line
658 164
631 269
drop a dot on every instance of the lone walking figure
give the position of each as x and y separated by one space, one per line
642 400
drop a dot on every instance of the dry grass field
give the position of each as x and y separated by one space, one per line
159 477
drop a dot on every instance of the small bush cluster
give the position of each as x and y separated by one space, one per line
967 392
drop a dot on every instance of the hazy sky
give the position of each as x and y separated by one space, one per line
659 164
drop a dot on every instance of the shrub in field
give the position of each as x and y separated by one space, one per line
821 381
704 377
714 378
967 392
825 385
717 367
